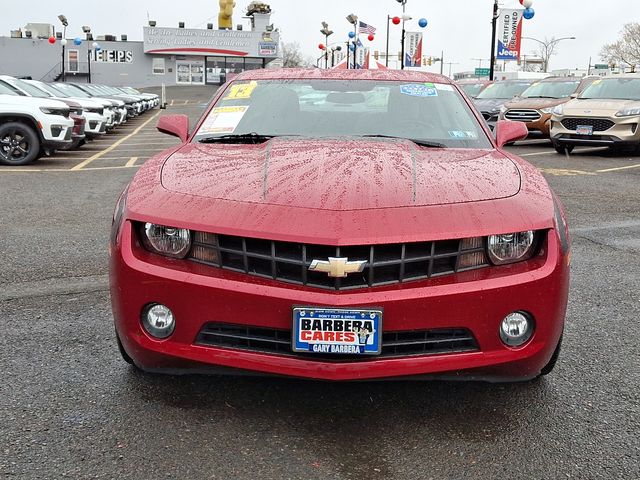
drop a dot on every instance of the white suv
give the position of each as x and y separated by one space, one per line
30 126
94 112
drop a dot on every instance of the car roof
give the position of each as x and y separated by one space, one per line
340 74
622 75
561 79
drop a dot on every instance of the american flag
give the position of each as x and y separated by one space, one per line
364 28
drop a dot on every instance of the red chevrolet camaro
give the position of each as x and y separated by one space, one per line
340 225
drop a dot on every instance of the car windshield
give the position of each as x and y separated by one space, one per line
72 90
551 89
426 113
503 90
30 89
6 89
472 89
614 89
52 90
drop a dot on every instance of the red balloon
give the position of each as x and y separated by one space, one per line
371 37
321 46
52 40
396 20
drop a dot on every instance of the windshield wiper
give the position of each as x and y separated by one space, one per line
422 143
252 137
540 96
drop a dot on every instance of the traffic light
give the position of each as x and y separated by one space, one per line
376 54
430 61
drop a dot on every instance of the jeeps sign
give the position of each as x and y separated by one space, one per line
112 56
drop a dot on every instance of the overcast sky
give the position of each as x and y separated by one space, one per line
459 27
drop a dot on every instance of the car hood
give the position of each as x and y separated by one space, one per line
340 174
535 103
33 102
597 107
489 104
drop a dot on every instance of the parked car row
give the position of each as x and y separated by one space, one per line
592 111
38 118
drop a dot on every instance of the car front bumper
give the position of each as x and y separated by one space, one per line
624 132
477 300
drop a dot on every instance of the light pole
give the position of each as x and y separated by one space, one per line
63 42
353 20
327 32
548 47
404 32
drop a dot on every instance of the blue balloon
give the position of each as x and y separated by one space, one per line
529 13
422 22
77 41
352 34
352 47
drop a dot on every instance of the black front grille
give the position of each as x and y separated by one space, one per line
394 344
598 124
385 264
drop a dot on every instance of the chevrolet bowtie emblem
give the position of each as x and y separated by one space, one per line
337 267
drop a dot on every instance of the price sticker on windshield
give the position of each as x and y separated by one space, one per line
223 120
241 91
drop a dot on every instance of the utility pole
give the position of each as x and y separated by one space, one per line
494 23
442 63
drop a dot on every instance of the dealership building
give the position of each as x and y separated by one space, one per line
169 56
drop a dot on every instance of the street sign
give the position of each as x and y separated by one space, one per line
601 66
482 72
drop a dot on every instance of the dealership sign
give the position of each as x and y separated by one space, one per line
510 33
112 56
413 49
191 41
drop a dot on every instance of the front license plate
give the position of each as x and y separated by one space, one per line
337 331
584 130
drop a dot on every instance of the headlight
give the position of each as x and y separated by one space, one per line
55 111
168 241
548 110
559 110
628 112
510 247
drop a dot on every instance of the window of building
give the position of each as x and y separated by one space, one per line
158 66
253 63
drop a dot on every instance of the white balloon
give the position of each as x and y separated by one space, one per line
527 3
63 42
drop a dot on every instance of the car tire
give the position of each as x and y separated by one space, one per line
27 148
563 150
125 355
548 368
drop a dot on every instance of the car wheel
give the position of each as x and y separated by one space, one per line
548 368
19 144
563 150
125 355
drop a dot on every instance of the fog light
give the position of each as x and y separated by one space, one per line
158 320
516 329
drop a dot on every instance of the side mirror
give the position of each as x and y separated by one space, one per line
175 125
508 131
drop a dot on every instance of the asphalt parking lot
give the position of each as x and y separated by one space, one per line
71 408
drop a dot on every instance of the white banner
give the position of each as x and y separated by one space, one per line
509 33
413 49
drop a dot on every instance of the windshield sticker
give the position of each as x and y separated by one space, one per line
443 87
460 135
241 91
223 120
419 90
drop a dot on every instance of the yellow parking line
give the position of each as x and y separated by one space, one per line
131 162
81 165
616 169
